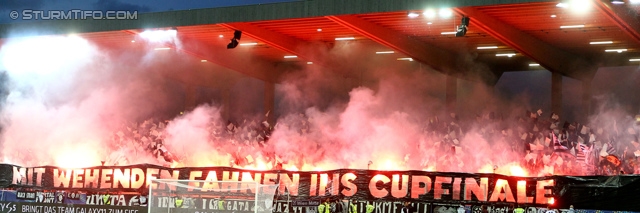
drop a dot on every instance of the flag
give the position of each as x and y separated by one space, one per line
603 151
249 159
610 148
557 142
530 156
547 141
582 152
536 146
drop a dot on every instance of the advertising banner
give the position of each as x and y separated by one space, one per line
366 185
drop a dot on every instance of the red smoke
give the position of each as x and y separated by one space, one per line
80 110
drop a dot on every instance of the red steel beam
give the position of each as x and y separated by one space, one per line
307 51
439 59
239 61
234 60
552 58
294 46
621 15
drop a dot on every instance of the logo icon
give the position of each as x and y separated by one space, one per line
14 15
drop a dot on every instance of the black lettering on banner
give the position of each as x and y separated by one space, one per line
128 184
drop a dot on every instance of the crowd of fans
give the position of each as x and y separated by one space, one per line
540 143
546 145
148 137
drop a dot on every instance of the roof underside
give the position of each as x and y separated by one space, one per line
528 29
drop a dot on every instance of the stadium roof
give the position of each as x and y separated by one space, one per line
552 35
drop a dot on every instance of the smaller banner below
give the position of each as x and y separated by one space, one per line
9 207
68 208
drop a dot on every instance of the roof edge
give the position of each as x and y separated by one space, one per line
247 13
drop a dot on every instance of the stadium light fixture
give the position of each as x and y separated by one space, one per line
534 65
487 47
617 2
234 41
232 44
309 62
385 52
203 60
601 42
249 44
616 50
162 48
405 59
413 15
462 29
576 6
634 59
290 56
159 35
506 54
429 13
345 38
572 26
445 13
448 33
634 1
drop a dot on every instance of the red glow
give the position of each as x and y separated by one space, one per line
260 165
516 170
69 157
510 169
291 168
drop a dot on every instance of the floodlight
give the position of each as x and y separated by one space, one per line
234 41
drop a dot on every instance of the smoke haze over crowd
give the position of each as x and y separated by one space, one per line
67 99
